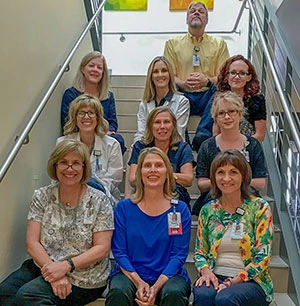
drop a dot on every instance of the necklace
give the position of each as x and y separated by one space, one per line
68 204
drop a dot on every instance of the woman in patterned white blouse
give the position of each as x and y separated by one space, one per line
68 237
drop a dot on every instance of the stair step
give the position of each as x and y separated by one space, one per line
128 92
128 80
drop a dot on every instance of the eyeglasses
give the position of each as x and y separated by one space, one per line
231 113
64 166
241 74
82 114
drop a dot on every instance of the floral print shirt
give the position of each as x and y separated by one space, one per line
68 231
255 245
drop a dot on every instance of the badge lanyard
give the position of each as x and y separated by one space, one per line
196 58
174 220
97 153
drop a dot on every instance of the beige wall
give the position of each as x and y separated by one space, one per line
36 37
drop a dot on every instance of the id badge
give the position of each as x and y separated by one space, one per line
88 218
237 231
174 223
196 60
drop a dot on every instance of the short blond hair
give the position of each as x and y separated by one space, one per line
62 149
84 101
227 96
193 3
103 85
169 185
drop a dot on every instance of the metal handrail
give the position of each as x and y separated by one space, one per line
234 29
287 112
20 140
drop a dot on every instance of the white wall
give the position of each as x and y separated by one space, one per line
133 56
36 37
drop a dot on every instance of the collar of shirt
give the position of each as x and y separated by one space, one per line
168 97
194 38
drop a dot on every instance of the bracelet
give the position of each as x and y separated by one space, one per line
71 263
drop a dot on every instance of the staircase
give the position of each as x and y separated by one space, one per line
128 92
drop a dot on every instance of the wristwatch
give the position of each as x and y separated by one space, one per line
71 263
209 83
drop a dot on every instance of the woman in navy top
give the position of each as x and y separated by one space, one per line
92 78
161 131
227 111
151 239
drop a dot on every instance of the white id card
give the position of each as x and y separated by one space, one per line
237 231
196 60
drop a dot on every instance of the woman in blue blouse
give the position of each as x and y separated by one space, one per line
151 239
161 131
92 78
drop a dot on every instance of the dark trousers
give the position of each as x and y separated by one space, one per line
27 287
200 105
122 292
242 294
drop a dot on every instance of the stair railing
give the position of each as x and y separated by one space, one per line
23 137
277 68
233 31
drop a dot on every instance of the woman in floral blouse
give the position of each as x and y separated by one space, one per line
234 239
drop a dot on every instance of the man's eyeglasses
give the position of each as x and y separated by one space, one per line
241 74
82 114
231 113
64 166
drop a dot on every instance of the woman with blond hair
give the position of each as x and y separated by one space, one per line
227 112
69 230
161 131
92 78
160 90
151 239
87 124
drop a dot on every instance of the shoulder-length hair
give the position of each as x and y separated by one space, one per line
150 90
252 86
81 102
227 96
237 159
103 85
169 185
149 137
62 149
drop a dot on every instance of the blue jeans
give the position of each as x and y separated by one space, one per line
200 105
27 287
242 294
175 292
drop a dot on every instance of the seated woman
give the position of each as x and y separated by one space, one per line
92 78
234 239
151 239
86 123
160 89
227 111
68 237
161 132
239 76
